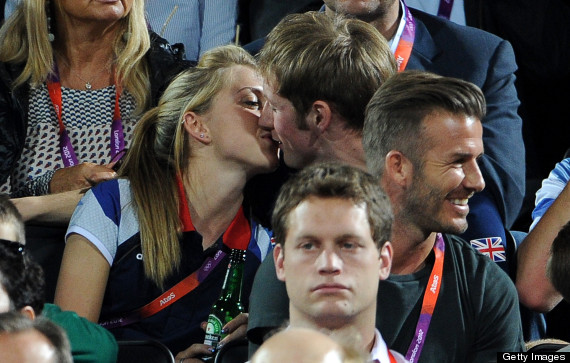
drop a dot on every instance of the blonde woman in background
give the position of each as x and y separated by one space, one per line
95 62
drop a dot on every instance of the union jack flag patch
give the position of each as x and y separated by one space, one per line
491 247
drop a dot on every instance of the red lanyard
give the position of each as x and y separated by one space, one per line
68 156
404 48
428 305
237 236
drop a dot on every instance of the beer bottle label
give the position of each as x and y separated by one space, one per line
213 331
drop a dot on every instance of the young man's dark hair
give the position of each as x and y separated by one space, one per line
335 181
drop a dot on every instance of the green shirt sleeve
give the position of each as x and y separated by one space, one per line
89 341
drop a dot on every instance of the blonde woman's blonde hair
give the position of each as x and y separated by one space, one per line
160 152
24 39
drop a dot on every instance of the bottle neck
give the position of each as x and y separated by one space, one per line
234 276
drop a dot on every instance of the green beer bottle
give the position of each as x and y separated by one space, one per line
229 304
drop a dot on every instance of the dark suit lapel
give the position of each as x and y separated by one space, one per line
424 50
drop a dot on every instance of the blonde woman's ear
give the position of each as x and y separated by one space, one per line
194 125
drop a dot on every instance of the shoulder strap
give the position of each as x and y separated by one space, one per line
169 297
237 236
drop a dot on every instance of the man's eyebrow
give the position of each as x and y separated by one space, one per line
306 236
464 155
338 238
348 236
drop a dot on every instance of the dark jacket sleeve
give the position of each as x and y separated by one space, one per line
165 62
13 116
503 164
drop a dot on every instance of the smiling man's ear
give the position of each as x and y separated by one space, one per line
398 168
195 126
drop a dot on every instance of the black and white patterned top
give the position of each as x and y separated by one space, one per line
87 116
